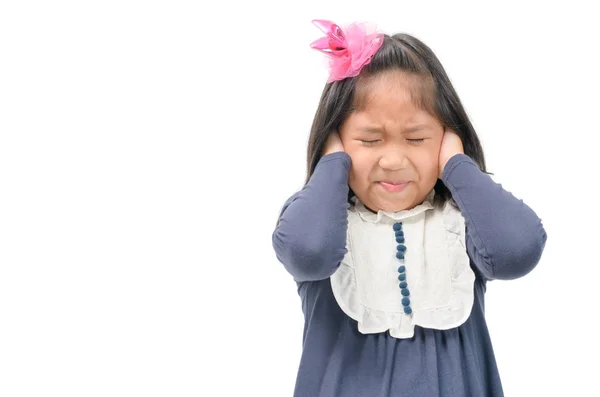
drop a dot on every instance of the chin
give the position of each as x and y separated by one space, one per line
401 204
397 202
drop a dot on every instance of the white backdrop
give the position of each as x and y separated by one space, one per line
146 150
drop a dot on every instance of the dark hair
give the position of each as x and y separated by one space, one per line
434 93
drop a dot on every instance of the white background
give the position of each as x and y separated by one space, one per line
147 147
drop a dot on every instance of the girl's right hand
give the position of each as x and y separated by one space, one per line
333 144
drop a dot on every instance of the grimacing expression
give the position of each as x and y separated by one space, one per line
394 146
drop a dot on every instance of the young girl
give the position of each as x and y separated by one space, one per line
398 229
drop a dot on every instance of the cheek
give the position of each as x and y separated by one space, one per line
427 161
362 164
360 168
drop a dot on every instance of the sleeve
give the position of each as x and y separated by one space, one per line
505 238
310 237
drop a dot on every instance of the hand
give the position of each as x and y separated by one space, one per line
451 145
333 144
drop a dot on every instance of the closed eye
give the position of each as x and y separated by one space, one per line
370 142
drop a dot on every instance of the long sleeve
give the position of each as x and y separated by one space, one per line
505 237
310 238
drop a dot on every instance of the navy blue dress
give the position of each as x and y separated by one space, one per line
505 240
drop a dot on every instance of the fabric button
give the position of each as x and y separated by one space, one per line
405 292
399 233
397 226
407 310
402 277
403 284
405 301
400 239
402 269
400 255
401 248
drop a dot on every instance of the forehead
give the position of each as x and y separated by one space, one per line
392 97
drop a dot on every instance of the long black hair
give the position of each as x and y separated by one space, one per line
432 91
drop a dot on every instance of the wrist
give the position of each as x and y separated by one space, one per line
454 162
331 155
445 162
331 152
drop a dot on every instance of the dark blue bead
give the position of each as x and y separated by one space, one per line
399 233
405 292
400 255
402 277
405 301
400 239
403 284
407 310
402 269
397 226
401 248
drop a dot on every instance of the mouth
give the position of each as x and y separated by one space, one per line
393 186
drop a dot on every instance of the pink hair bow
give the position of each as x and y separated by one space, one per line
348 50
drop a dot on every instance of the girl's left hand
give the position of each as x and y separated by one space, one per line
451 145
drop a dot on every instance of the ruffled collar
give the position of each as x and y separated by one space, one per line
369 216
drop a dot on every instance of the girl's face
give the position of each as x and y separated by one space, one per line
394 146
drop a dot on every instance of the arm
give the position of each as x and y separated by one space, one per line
505 238
310 239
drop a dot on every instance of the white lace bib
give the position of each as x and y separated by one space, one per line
438 273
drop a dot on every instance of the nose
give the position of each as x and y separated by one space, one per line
393 159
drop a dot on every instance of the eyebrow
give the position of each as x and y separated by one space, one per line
374 129
371 129
416 128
